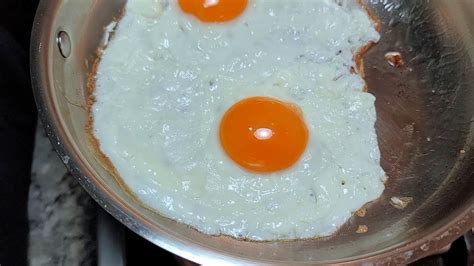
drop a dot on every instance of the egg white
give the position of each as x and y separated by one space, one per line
166 79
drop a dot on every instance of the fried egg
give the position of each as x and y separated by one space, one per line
241 117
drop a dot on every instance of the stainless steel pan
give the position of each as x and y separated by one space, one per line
425 127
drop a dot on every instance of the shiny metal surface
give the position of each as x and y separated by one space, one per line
64 44
425 127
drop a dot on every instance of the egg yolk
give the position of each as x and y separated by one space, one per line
213 10
263 135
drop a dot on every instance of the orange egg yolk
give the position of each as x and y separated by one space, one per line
213 10
263 135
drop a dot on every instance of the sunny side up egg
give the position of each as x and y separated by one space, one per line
187 97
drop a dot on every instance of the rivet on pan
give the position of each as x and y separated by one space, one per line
64 44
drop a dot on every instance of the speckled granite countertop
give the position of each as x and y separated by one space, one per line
62 215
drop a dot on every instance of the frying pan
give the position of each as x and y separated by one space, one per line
425 128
